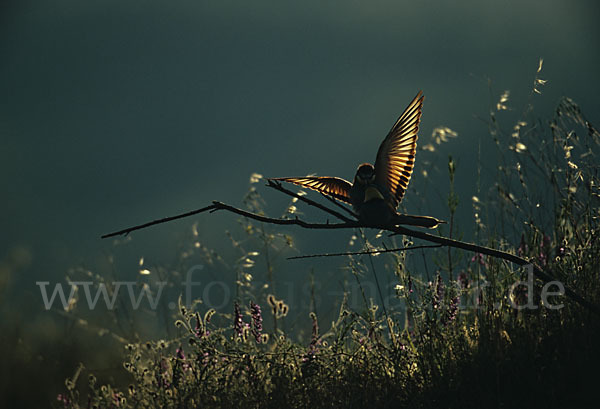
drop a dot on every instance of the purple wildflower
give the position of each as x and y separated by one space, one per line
543 259
561 248
256 321
544 249
163 375
452 309
63 398
181 356
479 258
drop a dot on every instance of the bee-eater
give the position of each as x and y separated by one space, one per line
378 190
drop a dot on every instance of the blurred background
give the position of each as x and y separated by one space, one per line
114 113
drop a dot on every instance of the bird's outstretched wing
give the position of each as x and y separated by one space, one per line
332 186
396 154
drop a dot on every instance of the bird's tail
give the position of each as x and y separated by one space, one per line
420 221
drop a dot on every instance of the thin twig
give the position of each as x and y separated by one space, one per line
359 253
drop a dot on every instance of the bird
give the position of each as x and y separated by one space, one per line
378 189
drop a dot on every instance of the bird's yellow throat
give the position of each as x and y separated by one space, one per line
372 193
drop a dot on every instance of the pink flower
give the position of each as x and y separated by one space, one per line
479 258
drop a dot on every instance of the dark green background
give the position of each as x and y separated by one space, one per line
113 113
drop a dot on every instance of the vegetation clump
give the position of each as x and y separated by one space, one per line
477 333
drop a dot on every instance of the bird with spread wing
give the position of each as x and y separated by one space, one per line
378 189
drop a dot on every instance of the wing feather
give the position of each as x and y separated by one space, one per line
396 155
332 186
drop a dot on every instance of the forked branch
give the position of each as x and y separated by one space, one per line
223 206
349 223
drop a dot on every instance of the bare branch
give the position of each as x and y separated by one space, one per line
222 206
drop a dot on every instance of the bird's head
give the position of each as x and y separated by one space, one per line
365 174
